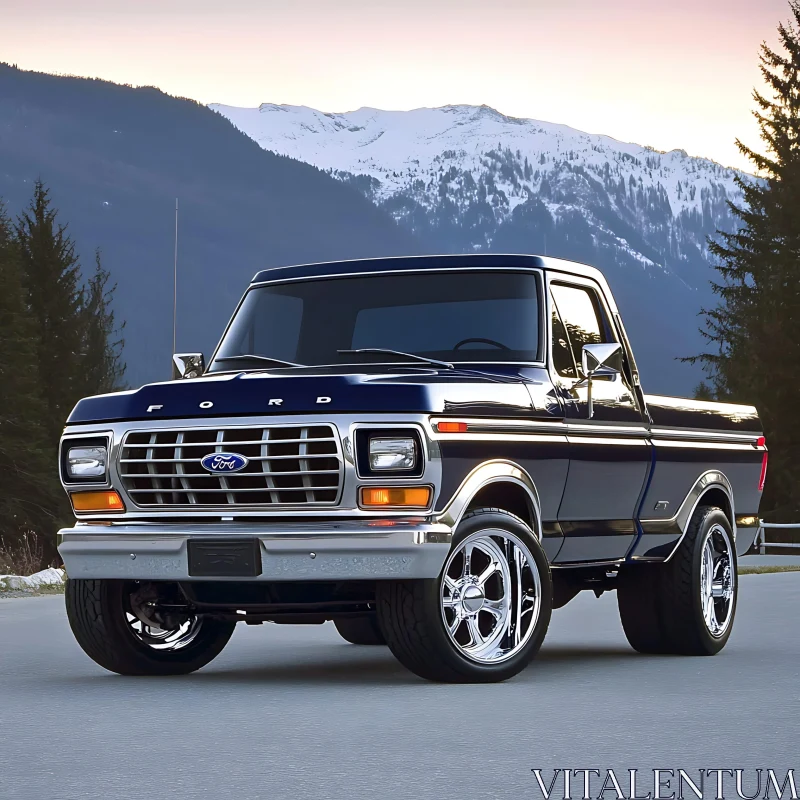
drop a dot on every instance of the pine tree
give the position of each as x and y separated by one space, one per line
51 275
102 368
703 391
31 499
755 330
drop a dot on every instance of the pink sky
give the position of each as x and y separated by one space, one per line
676 73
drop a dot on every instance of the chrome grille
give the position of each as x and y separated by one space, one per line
288 465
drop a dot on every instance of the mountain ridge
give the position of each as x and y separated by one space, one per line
116 157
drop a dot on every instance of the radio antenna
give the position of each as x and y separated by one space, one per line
175 285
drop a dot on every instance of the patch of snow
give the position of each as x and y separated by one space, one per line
46 577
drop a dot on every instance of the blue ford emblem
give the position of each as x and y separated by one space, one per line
222 463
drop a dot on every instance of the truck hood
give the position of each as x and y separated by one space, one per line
446 391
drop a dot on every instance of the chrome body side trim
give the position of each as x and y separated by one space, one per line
290 551
679 523
706 434
606 442
705 444
496 427
487 473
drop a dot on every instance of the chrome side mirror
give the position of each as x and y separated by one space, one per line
599 360
188 365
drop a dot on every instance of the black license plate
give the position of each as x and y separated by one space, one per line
224 558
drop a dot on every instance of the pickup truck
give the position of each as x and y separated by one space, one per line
433 453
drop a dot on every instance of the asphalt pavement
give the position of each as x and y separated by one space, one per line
295 712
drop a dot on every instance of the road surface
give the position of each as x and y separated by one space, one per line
295 712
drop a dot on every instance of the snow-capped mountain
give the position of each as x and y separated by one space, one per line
467 178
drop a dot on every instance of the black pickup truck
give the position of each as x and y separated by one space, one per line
433 453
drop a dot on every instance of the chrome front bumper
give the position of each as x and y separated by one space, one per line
343 550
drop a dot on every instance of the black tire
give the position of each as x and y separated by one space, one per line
411 618
661 605
96 613
682 612
360 630
638 593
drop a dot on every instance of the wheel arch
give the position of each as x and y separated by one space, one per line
717 496
496 484
711 488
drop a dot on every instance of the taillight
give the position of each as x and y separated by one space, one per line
762 442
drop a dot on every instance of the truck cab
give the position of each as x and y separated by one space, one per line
431 452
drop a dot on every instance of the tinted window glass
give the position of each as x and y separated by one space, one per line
276 319
581 316
440 326
465 316
562 353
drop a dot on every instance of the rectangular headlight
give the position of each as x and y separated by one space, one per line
392 454
87 462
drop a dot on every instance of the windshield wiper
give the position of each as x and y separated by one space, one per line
276 361
387 351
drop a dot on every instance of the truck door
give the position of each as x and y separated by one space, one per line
609 454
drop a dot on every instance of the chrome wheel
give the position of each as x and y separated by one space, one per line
490 595
717 580
151 628
161 639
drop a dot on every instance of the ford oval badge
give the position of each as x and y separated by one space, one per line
223 463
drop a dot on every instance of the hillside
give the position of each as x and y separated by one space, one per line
115 159
465 178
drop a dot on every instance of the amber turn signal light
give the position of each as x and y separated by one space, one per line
451 427
416 497
97 501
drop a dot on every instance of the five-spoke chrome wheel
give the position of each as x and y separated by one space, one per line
490 595
717 584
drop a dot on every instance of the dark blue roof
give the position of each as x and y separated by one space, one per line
488 260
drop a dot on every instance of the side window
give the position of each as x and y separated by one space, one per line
580 315
562 353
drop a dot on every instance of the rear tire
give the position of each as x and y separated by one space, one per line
638 595
484 618
99 613
360 630
686 606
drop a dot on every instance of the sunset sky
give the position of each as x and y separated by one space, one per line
674 73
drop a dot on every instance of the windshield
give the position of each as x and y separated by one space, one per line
451 316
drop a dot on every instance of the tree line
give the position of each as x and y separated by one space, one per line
59 342
754 332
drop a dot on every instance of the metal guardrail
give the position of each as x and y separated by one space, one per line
761 537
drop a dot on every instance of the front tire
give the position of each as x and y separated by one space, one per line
485 617
687 605
104 621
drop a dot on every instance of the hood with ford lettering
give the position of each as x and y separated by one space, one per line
499 391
